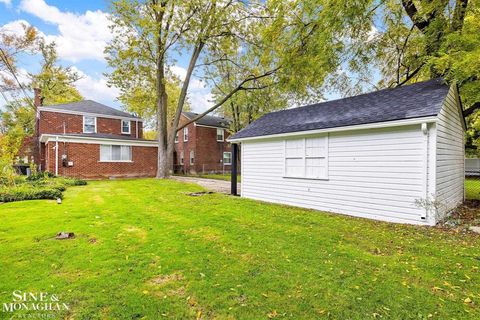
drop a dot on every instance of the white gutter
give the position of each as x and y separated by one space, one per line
375 125
45 138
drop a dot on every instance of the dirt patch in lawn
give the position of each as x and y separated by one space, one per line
165 279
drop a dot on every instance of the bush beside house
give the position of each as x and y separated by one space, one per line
38 186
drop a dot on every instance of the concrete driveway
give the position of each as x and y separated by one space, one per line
209 184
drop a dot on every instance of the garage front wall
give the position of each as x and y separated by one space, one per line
373 173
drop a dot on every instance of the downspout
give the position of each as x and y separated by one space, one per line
56 156
424 128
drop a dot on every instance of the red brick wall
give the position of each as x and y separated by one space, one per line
207 150
86 162
53 122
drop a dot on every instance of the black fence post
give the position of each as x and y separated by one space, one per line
233 188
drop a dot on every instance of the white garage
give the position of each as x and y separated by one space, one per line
395 155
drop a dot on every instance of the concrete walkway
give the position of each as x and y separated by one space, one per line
209 184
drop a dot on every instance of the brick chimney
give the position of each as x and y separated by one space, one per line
37 100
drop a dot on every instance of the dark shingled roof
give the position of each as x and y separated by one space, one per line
90 106
417 100
211 121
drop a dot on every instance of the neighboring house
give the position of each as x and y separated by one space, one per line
90 140
201 147
395 155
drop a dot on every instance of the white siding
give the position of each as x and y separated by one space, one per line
372 173
450 156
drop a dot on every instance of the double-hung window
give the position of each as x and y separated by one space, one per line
192 157
307 158
111 153
220 135
185 134
126 126
227 158
176 137
89 124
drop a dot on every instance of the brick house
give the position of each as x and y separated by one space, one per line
202 147
90 140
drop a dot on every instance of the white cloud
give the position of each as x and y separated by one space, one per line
200 100
16 27
81 36
181 73
95 88
6 2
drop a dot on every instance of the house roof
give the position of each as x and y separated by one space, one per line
89 106
211 121
417 100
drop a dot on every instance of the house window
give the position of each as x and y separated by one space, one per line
306 158
126 126
109 153
227 158
176 137
185 134
220 135
89 124
192 157
181 157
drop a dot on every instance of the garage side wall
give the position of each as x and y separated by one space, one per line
375 173
450 156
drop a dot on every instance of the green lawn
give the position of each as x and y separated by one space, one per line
146 250
472 188
219 176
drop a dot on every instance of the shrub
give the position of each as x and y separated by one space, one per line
38 186
28 192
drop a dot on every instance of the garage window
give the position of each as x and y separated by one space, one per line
306 158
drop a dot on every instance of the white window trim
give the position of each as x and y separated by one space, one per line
176 137
185 136
190 157
129 126
227 163
83 127
223 135
111 145
304 157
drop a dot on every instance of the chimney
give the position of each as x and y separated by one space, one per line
37 100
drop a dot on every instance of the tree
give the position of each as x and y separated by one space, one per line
293 45
11 46
55 81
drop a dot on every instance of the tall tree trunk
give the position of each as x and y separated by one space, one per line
161 98
162 161
181 102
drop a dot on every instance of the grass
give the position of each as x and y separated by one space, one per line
472 188
219 176
215 176
144 249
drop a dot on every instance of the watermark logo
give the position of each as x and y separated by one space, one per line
42 304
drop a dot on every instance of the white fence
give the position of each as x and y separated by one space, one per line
472 167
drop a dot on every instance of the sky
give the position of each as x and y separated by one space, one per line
80 30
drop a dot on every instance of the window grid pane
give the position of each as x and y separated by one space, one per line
306 157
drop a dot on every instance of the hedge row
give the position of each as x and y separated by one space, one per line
26 192
40 188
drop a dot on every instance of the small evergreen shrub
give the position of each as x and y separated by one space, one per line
28 192
37 186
